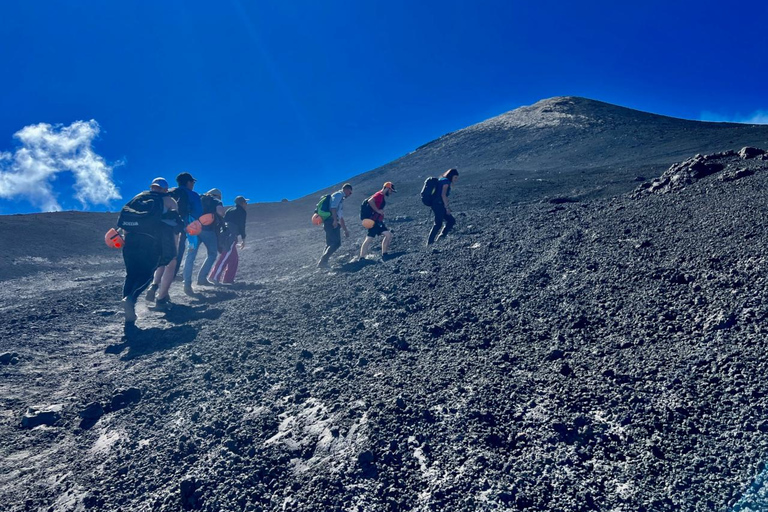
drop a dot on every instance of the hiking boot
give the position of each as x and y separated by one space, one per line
323 264
130 310
163 304
188 290
204 282
151 291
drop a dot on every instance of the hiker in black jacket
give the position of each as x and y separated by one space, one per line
440 206
144 249
225 268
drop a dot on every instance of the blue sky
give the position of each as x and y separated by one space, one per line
274 99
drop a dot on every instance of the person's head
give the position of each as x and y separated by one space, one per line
388 188
186 180
347 190
214 192
452 175
241 201
159 185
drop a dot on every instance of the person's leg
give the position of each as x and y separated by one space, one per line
180 252
449 223
366 246
208 238
439 211
332 241
385 243
189 263
232 263
141 255
221 264
165 283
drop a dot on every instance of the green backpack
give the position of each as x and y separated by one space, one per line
323 208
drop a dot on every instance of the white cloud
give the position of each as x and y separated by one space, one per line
46 150
757 117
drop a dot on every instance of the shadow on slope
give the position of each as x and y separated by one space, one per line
140 342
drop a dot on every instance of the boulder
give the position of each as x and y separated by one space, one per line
750 152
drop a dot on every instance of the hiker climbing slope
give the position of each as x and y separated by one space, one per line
377 202
215 211
440 206
334 223
225 268
141 220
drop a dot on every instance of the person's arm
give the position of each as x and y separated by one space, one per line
375 208
344 227
241 226
444 194
335 217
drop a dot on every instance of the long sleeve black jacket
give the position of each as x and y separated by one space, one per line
235 218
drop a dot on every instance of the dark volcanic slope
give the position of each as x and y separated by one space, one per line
597 355
564 146
592 352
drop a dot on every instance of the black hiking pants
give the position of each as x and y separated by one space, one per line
441 216
180 252
332 238
141 255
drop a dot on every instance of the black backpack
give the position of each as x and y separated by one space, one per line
428 190
182 199
366 212
142 214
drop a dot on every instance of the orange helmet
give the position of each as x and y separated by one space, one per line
317 220
207 219
368 223
114 239
194 228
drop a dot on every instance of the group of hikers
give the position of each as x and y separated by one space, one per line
159 226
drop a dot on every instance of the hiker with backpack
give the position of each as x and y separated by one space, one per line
213 217
141 220
435 195
373 209
189 209
225 268
331 209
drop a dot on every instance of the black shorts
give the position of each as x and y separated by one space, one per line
377 229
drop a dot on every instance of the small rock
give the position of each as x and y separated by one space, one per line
92 411
300 367
362 362
125 397
9 358
187 489
366 458
400 403
738 174
306 354
555 354
34 418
